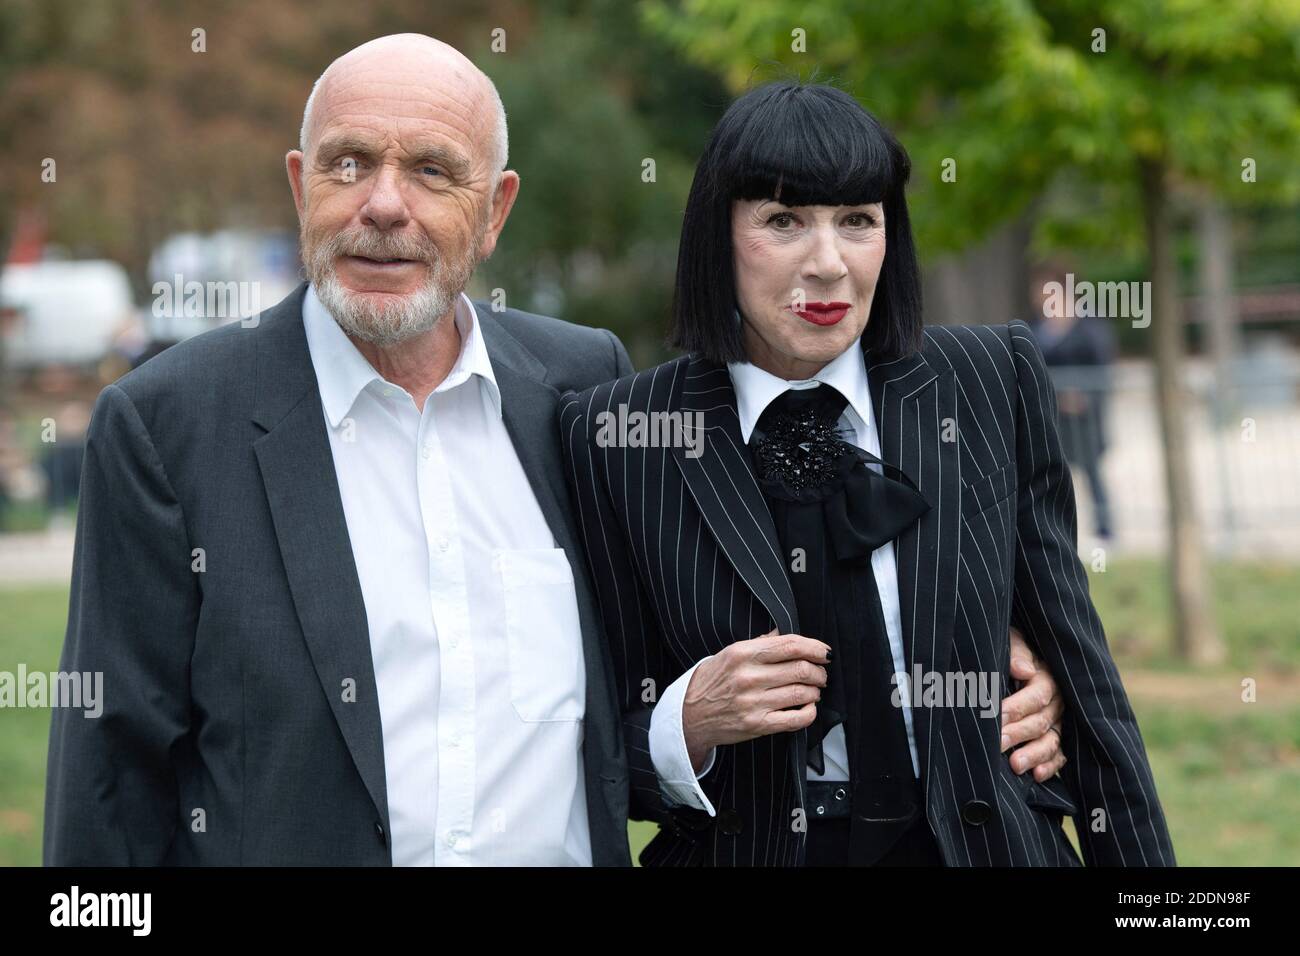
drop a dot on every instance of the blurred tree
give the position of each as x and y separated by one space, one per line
156 129
592 104
1137 98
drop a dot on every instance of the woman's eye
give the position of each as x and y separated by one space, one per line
859 221
781 220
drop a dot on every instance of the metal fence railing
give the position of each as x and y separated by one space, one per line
1243 439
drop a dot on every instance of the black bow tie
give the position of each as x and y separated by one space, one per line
801 455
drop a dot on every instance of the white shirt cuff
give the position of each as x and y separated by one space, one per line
678 781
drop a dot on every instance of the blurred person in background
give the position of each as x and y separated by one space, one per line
1079 347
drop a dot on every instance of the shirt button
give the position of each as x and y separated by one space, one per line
451 839
443 544
426 453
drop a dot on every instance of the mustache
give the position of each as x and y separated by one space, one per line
374 245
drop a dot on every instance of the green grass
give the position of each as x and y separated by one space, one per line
1230 784
31 633
31 516
1228 772
1257 608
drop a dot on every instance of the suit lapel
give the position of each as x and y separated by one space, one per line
302 490
721 480
916 415
530 409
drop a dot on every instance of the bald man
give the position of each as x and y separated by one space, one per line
325 564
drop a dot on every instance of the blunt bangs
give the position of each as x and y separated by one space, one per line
807 146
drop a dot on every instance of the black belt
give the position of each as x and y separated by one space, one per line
828 799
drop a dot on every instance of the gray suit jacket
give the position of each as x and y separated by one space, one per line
224 737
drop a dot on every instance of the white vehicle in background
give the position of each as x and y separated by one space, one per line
198 281
68 313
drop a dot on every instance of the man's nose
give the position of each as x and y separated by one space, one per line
385 207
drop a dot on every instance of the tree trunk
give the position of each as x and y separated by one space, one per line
1195 637
1222 326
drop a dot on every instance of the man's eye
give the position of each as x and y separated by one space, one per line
431 170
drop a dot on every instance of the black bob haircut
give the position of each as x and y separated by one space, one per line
803 144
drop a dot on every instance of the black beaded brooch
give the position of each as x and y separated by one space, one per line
799 450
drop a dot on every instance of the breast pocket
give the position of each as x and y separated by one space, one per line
988 490
543 635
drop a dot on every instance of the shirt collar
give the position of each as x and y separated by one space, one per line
343 373
756 388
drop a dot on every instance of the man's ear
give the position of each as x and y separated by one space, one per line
293 166
502 202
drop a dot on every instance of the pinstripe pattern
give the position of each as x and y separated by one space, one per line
685 560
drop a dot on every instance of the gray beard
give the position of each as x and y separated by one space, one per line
392 319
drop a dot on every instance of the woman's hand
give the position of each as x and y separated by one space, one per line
766 685
771 684
1032 715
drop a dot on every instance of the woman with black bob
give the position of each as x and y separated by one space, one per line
812 543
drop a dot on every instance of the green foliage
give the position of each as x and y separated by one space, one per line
1014 91
590 240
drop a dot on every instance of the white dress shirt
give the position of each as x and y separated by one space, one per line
755 390
471 608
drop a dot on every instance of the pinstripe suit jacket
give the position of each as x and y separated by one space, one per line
685 558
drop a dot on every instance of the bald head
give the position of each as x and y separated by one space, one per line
432 69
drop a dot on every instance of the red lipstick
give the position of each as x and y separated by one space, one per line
822 313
